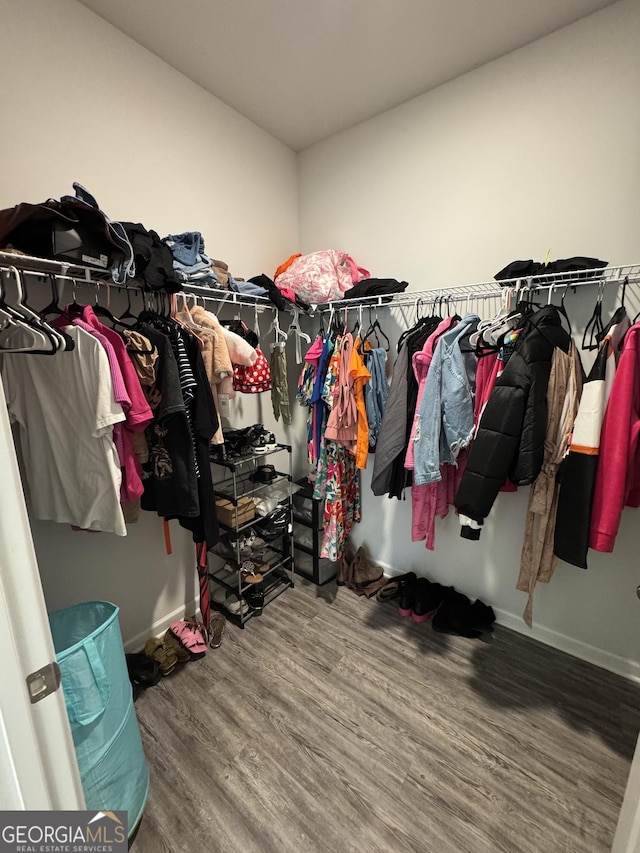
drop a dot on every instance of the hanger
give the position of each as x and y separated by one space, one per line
594 325
101 310
299 335
54 306
127 313
14 322
61 339
374 328
275 325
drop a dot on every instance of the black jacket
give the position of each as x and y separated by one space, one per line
510 439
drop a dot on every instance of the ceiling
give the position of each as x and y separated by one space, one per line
305 69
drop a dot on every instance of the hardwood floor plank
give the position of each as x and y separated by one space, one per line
331 725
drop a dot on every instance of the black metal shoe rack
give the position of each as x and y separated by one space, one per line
232 482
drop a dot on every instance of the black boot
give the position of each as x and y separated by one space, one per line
427 599
407 593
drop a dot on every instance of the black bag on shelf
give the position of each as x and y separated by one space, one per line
65 230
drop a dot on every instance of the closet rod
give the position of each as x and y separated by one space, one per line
493 289
87 275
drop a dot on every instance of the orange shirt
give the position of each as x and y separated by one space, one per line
360 376
285 266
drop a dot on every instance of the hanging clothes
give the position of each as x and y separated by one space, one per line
578 472
393 430
137 411
337 480
429 499
510 437
389 473
360 376
342 426
537 560
304 396
376 392
217 360
445 425
65 410
169 478
618 475
204 423
280 383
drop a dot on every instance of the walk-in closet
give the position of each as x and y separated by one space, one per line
319 415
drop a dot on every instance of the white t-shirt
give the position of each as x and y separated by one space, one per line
65 408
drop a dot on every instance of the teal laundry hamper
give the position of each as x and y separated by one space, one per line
99 702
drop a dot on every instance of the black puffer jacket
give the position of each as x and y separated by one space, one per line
510 439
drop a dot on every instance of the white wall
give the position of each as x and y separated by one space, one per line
536 150
81 101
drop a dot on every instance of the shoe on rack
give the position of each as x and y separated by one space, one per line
263 474
250 572
254 542
254 596
271 441
235 605
407 589
240 548
259 444
274 524
426 600
258 430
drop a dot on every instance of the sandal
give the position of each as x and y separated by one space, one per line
176 646
191 636
216 630
162 654
249 572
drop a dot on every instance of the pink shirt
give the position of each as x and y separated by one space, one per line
137 416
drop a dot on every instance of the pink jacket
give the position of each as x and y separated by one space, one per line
618 477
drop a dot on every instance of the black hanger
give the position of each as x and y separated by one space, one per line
374 328
594 325
54 306
30 322
101 310
127 313
67 342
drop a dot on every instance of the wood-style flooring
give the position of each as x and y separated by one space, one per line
332 725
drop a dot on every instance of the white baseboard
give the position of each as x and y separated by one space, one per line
136 643
606 660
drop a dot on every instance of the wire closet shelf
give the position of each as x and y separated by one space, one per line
549 283
77 274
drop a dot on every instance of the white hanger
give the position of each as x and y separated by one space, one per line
275 325
299 335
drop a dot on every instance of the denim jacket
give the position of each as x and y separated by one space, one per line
445 420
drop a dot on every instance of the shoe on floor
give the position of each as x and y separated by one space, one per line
216 630
426 600
407 588
456 615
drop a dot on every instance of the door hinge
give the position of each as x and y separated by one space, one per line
43 682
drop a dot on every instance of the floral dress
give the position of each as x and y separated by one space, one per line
337 479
